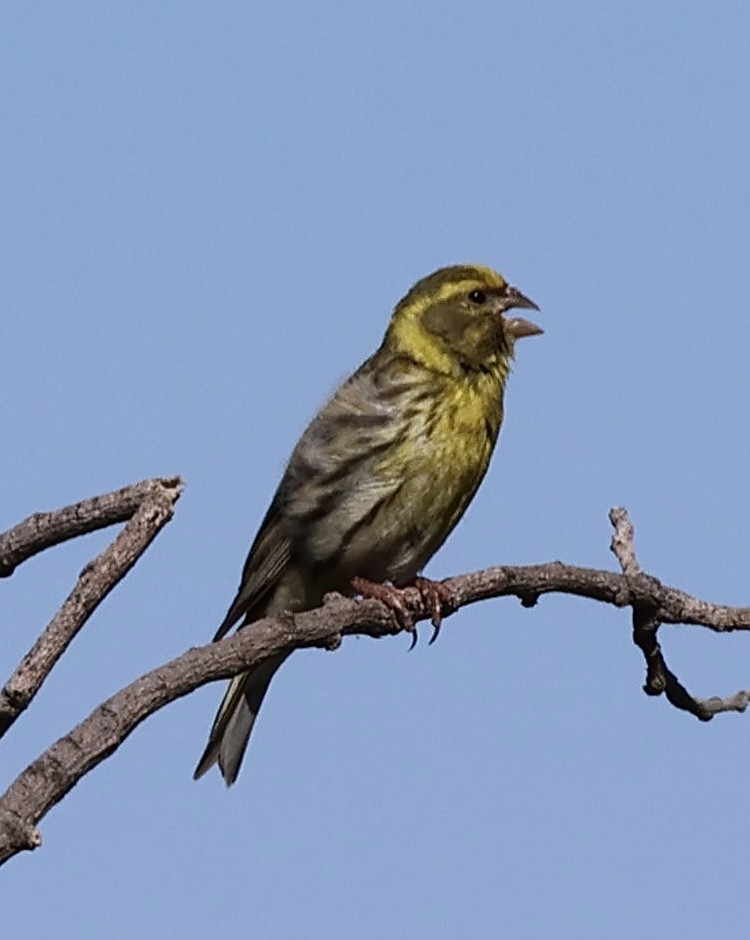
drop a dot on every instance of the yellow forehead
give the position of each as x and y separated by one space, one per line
446 283
488 276
476 276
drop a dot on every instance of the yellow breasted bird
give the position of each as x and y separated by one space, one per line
382 474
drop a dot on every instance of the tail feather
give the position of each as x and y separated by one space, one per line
234 720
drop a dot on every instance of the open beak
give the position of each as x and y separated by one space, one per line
518 326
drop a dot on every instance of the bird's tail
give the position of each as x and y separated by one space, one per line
235 718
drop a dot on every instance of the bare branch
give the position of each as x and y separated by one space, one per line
45 529
623 541
47 780
647 618
151 506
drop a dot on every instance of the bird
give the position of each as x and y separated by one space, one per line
381 475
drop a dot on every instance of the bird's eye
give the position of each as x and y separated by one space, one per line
477 297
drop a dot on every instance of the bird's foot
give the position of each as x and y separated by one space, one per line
393 598
435 596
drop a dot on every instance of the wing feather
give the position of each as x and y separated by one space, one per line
267 560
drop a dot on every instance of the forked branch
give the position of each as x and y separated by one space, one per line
147 506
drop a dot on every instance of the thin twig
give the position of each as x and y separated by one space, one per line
623 541
98 578
45 529
648 616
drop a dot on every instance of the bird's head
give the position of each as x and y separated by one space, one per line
455 319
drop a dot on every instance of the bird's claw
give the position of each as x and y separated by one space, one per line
393 598
435 596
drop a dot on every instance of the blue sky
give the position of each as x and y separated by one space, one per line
208 212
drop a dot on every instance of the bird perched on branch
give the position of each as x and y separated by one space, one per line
382 474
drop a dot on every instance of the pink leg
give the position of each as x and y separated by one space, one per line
435 596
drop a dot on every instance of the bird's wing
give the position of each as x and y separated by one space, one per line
329 487
266 563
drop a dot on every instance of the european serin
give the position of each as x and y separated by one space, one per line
383 473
